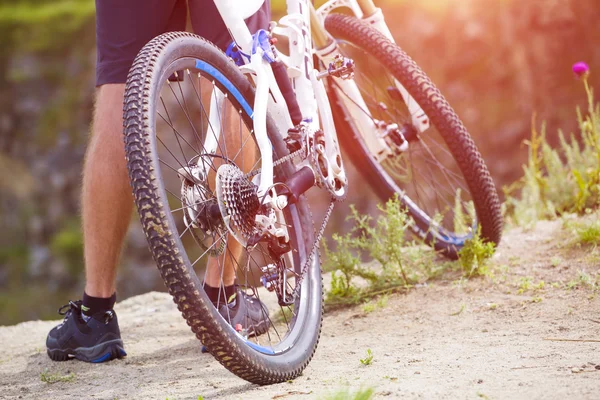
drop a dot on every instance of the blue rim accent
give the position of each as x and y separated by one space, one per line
215 73
262 349
441 232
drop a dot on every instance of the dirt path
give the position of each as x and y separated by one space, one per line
448 340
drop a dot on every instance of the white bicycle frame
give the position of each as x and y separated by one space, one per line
310 91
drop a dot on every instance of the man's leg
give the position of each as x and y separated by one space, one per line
240 308
106 198
222 270
207 22
90 330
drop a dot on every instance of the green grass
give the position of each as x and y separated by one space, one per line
50 378
345 394
396 262
462 308
536 299
589 233
474 256
561 180
368 359
586 281
371 306
526 284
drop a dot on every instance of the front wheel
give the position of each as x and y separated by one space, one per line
437 172
193 163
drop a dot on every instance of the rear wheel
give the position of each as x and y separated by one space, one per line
438 174
193 163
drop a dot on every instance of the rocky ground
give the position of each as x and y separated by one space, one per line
494 338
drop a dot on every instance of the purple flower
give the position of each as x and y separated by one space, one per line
580 69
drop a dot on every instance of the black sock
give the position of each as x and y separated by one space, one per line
213 294
93 305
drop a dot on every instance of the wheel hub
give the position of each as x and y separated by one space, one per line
200 209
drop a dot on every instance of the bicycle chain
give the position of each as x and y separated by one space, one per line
315 246
277 162
314 249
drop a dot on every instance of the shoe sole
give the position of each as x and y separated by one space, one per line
102 352
258 329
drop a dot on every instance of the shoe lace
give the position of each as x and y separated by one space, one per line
68 308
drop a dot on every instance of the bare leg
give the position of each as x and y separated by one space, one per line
106 198
222 270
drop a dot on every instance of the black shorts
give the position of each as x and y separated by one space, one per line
123 27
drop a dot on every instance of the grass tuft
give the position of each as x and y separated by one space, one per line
344 394
474 256
589 233
368 360
562 180
397 263
50 378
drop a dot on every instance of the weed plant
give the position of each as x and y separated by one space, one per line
474 256
345 394
368 360
561 180
50 378
397 263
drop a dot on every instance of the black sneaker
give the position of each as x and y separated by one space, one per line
246 314
93 339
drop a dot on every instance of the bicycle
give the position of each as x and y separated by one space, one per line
221 181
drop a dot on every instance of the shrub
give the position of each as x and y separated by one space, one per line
397 263
561 180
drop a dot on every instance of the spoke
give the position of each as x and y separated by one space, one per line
203 113
222 284
258 297
170 123
424 167
185 230
440 165
208 249
437 185
172 155
242 141
183 138
184 109
242 148
222 119
179 135
173 194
